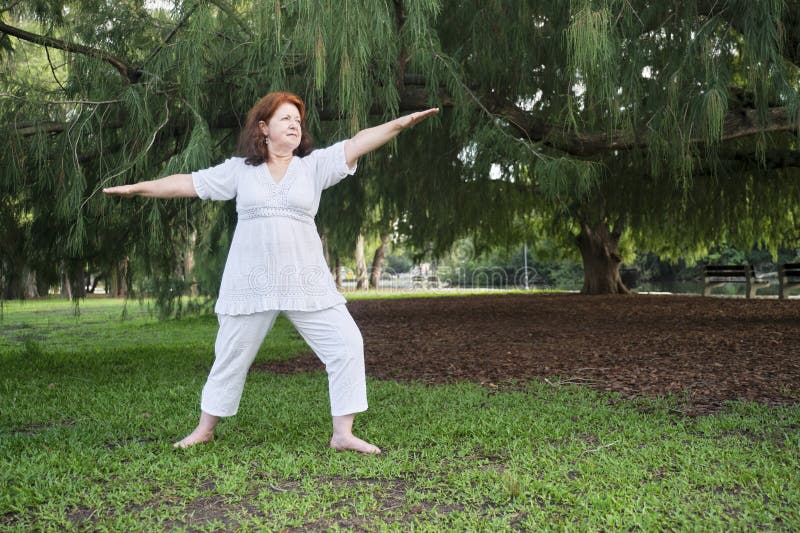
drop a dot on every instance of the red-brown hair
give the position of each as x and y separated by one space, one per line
251 141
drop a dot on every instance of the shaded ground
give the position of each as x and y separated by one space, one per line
707 350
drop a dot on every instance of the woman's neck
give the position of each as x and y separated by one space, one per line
279 159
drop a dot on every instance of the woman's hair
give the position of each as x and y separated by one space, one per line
251 141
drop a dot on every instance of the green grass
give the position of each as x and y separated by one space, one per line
89 407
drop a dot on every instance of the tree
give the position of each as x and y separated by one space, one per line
670 124
377 261
133 93
662 126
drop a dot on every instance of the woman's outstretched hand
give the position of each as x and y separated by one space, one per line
409 121
120 190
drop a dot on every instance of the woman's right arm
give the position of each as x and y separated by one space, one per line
175 186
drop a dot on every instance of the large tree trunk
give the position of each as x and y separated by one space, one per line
21 284
73 280
325 249
94 283
78 280
337 271
66 286
29 287
361 264
598 245
118 280
188 264
377 262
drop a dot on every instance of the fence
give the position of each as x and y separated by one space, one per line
447 278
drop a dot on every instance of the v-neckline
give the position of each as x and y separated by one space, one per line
281 181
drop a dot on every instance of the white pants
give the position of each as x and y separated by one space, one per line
331 333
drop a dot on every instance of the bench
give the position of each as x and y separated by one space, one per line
719 275
788 278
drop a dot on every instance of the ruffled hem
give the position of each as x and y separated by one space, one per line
226 307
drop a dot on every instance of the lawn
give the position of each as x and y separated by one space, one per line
90 405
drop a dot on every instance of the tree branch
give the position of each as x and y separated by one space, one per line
737 124
53 69
415 97
772 159
172 34
60 102
130 73
27 129
228 10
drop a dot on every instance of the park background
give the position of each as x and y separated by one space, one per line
594 133
592 146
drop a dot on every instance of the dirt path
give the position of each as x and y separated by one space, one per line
707 349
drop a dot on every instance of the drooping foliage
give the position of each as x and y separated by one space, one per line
675 122
126 92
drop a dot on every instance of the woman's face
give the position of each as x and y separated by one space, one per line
283 129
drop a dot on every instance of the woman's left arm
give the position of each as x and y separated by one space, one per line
369 139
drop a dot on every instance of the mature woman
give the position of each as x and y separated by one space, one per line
276 263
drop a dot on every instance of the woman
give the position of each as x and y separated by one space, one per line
276 263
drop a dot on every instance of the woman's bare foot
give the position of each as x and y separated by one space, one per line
204 431
343 438
354 443
195 437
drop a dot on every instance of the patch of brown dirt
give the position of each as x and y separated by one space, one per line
709 350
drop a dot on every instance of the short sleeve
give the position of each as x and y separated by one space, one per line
331 165
218 182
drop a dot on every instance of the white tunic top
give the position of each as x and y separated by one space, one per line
276 259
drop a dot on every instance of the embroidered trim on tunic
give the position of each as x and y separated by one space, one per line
257 212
